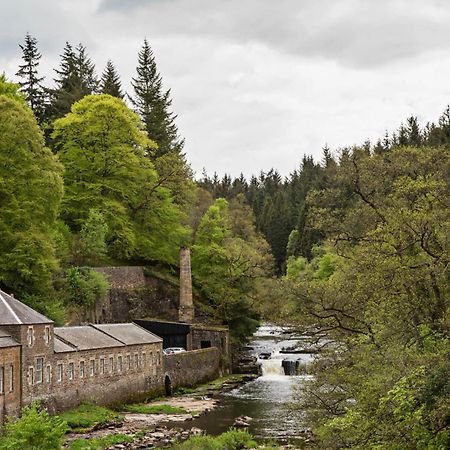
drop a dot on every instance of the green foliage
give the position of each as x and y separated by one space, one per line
85 286
11 90
103 148
152 103
30 193
100 443
229 258
230 440
110 83
384 301
31 85
153 409
93 237
87 416
35 430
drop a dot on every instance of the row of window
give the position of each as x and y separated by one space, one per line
31 337
3 381
105 365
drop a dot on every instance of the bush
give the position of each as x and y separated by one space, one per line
231 440
85 286
35 430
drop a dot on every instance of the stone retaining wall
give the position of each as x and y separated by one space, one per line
188 369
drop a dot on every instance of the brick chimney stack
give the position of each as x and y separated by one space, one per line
186 308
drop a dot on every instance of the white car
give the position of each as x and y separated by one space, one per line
172 350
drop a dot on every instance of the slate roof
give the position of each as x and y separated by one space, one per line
6 340
13 312
86 338
128 333
61 346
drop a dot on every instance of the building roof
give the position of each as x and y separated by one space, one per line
128 333
61 346
13 312
6 340
86 338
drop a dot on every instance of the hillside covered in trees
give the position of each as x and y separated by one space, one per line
354 247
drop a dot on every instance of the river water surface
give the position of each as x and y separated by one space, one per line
268 400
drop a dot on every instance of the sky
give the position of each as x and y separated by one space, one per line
258 84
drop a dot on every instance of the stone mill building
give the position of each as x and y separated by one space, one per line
102 363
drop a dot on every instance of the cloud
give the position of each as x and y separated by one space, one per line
359 33
259 83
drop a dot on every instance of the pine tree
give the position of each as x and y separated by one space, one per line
152 103
31 86
110 81
76 79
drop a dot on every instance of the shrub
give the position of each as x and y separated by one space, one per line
85 286
35 430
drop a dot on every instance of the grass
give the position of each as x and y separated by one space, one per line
153 409
100 443
86 416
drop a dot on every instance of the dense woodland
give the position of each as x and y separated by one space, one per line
355 246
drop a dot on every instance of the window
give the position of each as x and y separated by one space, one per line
159 358
2 379
144 359
60 372
128 362
102 366
30 375
111 364
119 363
30 336
136 360
71 371
39 369
48 374
47 335
81 369
92 367
11 378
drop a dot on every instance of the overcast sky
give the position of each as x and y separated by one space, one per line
259 83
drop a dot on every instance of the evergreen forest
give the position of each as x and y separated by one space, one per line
354 247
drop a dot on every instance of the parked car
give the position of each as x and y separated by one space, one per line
172 350
265 355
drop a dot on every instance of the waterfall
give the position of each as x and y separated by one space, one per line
271 366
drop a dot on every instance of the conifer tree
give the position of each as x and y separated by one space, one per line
110 81
28 71
153 104
76 79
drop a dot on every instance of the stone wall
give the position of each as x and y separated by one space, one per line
109 386
10 398
188 369
132 295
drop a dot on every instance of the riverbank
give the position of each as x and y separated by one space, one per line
139 426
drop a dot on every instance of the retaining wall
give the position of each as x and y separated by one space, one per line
190 368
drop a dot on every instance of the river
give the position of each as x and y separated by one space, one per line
268 400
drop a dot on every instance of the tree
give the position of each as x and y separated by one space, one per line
93 237
30 193
153 104
76 79
228 258
110 81
32 84
103 147
380 293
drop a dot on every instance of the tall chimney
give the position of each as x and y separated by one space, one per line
186 308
